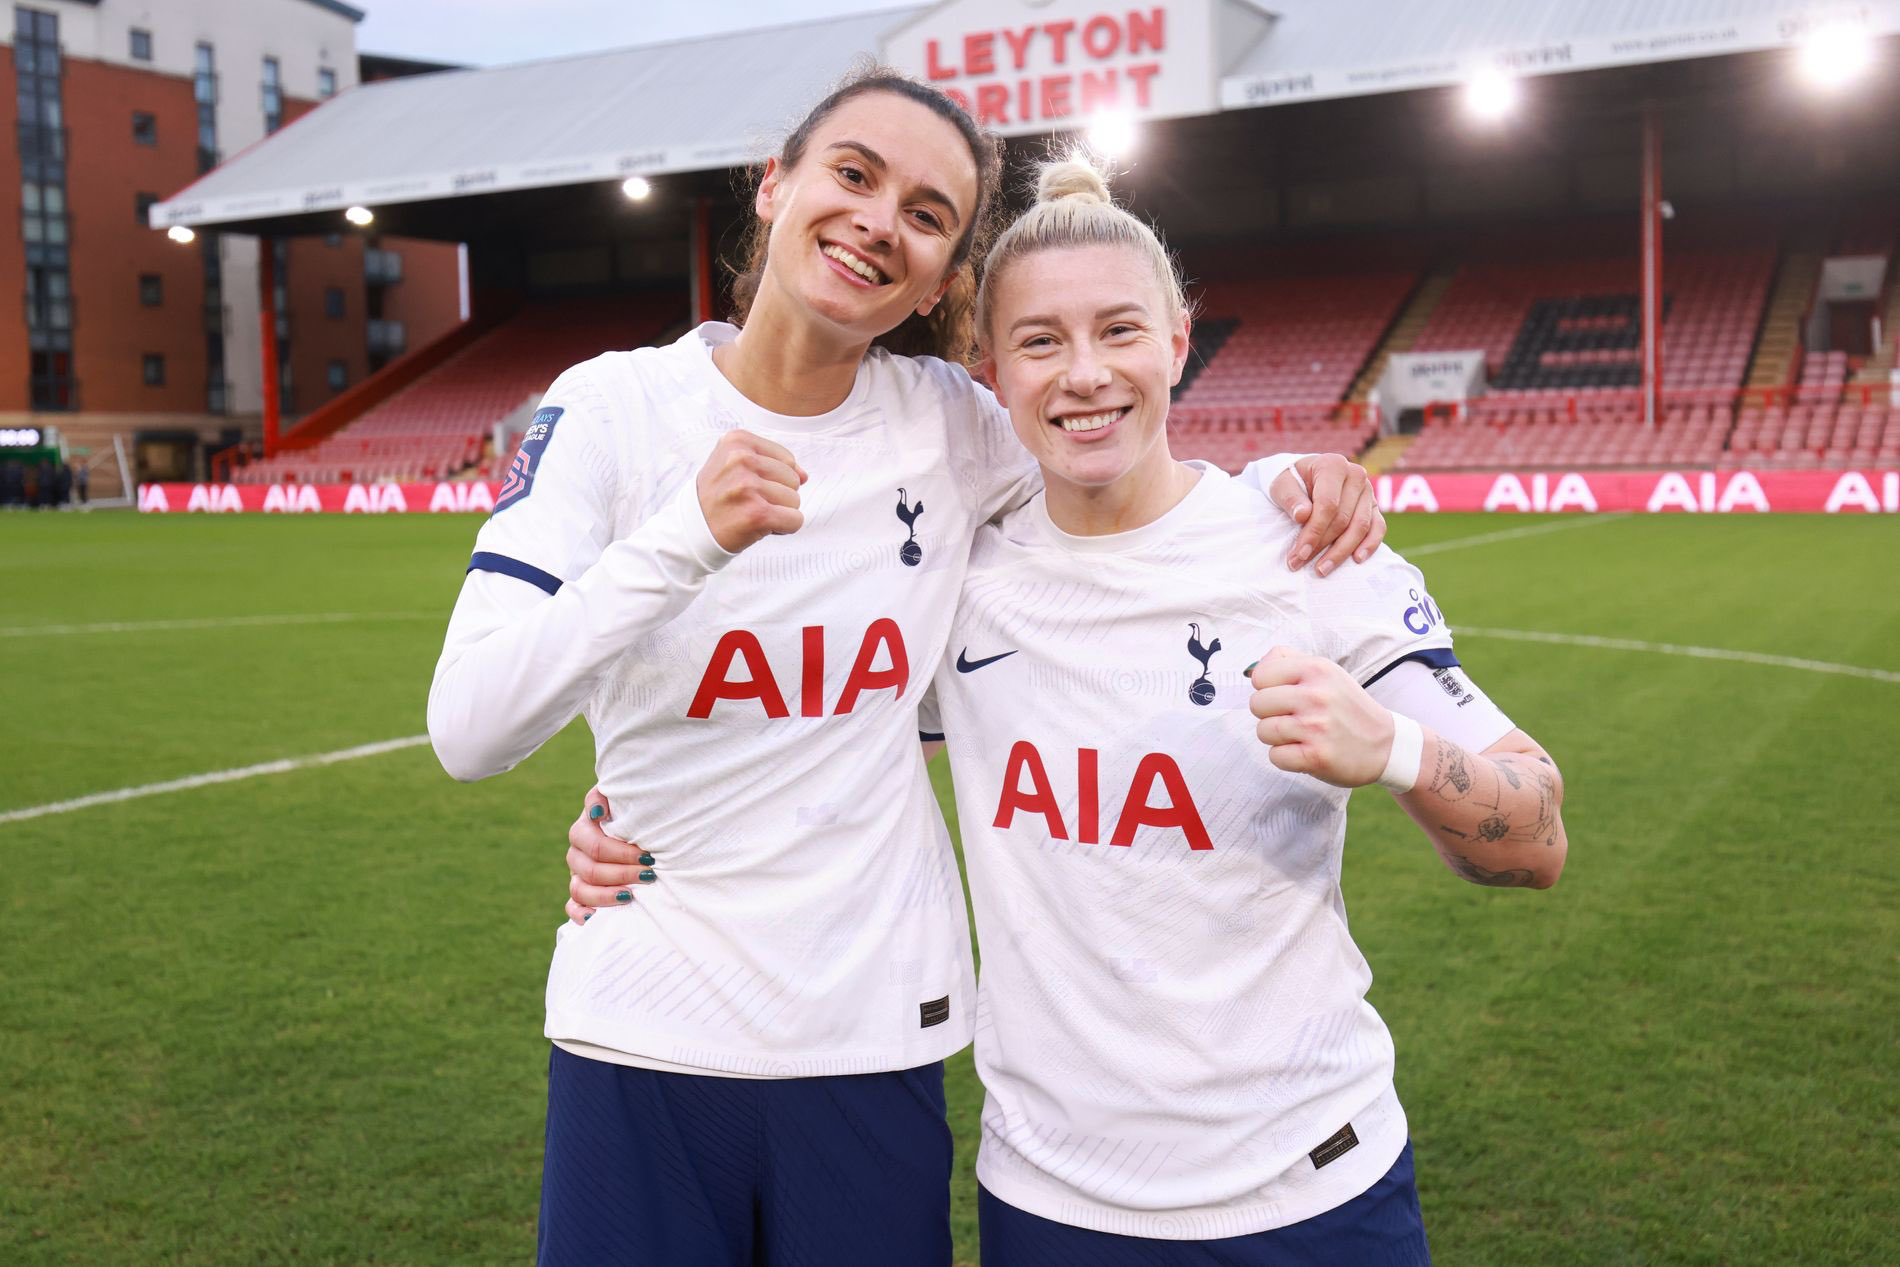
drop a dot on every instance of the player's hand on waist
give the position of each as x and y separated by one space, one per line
748 490
602 870
1316 720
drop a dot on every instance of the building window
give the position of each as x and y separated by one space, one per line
337 375
151 289
326 83
141 45
204 91
154 370
273 95
142 204
333 302
41 143
144 128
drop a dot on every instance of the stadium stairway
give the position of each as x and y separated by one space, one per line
1878 368
1386 453
1405 330
1778 346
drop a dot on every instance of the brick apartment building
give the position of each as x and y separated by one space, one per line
114 104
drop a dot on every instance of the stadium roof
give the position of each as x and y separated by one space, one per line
717 102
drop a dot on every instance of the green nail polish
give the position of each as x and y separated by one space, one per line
625 895
646 859
647 877
1248 671
595 811
587 917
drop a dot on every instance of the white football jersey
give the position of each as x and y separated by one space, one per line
1172 1027
755 717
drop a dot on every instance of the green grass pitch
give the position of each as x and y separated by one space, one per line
297 1018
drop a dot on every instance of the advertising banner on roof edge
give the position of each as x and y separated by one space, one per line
1043 65
1630 46
1707 492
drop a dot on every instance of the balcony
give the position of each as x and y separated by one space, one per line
381 267
387 338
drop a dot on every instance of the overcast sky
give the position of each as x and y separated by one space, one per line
494 32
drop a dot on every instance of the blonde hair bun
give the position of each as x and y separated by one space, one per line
1070 178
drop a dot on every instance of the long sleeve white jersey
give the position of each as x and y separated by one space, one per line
1172 1028
755 717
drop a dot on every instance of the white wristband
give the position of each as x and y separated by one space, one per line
1408 747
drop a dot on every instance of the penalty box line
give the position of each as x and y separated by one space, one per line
284 766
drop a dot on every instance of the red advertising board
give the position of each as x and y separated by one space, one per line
304 499
1713 492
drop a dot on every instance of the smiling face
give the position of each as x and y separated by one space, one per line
864 228
1084 347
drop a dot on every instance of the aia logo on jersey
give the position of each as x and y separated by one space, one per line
741 649
1157 771
1202 692
520 481
910 552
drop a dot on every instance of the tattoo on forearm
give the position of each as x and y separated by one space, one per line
1516 878
1451 779
1493 829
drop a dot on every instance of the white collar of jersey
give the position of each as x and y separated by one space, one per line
1182 512
713 334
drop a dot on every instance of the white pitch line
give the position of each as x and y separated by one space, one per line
1672 648
1512 534
209 622
284 766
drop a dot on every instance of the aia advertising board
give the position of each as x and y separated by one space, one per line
1706 492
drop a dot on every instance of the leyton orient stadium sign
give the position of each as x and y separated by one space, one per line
1041 65
1707 492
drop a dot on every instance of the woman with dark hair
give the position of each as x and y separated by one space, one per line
747 1063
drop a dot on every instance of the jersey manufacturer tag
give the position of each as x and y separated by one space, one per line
1336 1147
520 481
935 1012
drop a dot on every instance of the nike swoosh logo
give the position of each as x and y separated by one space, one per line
967 665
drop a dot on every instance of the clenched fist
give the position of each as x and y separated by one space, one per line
1318 721
748 490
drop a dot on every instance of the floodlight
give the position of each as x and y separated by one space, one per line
1834 57
636 187
1491 95
180 233
1112 135
359 216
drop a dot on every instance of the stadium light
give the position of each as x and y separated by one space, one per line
359 216
1834 57
179 233
1491 95
1112 135
636 187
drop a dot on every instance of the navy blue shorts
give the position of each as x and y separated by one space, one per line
1380 1227
679 1170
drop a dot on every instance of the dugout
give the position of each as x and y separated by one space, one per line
1285 137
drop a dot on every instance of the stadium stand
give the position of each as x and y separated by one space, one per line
1280 354
1294 341
440 426
1572 324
